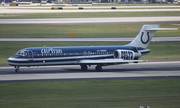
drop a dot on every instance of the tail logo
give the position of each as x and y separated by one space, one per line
144 42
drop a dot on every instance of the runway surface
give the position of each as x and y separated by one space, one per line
33 11
76 6
143 70
90 20
155 39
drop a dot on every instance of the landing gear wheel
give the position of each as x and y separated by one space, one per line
17 70
84 67
98 68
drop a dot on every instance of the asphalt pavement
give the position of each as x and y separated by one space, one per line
141 71
89 20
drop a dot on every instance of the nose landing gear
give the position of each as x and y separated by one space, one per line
17 69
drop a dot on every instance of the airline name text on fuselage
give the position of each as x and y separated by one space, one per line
51 51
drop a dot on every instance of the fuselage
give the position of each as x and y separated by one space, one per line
45 56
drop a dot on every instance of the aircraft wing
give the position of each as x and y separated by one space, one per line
108 61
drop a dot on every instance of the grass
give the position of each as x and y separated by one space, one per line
159 51
89 15
106 94
81 30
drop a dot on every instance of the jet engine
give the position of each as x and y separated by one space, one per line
126 55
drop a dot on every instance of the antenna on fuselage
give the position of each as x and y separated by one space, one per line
44 46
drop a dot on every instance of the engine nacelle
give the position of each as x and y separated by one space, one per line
126 54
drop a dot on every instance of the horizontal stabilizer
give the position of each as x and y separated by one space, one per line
108 61
149 29
144 52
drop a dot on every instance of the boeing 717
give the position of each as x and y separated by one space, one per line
87 56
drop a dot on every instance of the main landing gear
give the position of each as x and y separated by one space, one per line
17 69
97 68
84 67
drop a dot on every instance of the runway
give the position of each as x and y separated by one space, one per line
155 39
76 6
33 11
143 70
89 20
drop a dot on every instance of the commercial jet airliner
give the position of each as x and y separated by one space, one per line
87 56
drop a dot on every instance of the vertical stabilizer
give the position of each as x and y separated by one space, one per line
146 34
144 37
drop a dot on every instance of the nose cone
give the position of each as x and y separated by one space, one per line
9 60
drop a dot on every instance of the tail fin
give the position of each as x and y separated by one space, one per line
145 35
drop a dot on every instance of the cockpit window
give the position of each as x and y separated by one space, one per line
21 53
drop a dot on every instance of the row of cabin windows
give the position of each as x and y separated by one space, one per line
82 54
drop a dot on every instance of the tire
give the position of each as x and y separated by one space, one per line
17 70
84 67
98 68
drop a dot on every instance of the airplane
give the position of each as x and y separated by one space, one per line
87 56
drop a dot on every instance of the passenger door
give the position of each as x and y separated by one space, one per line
30 55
